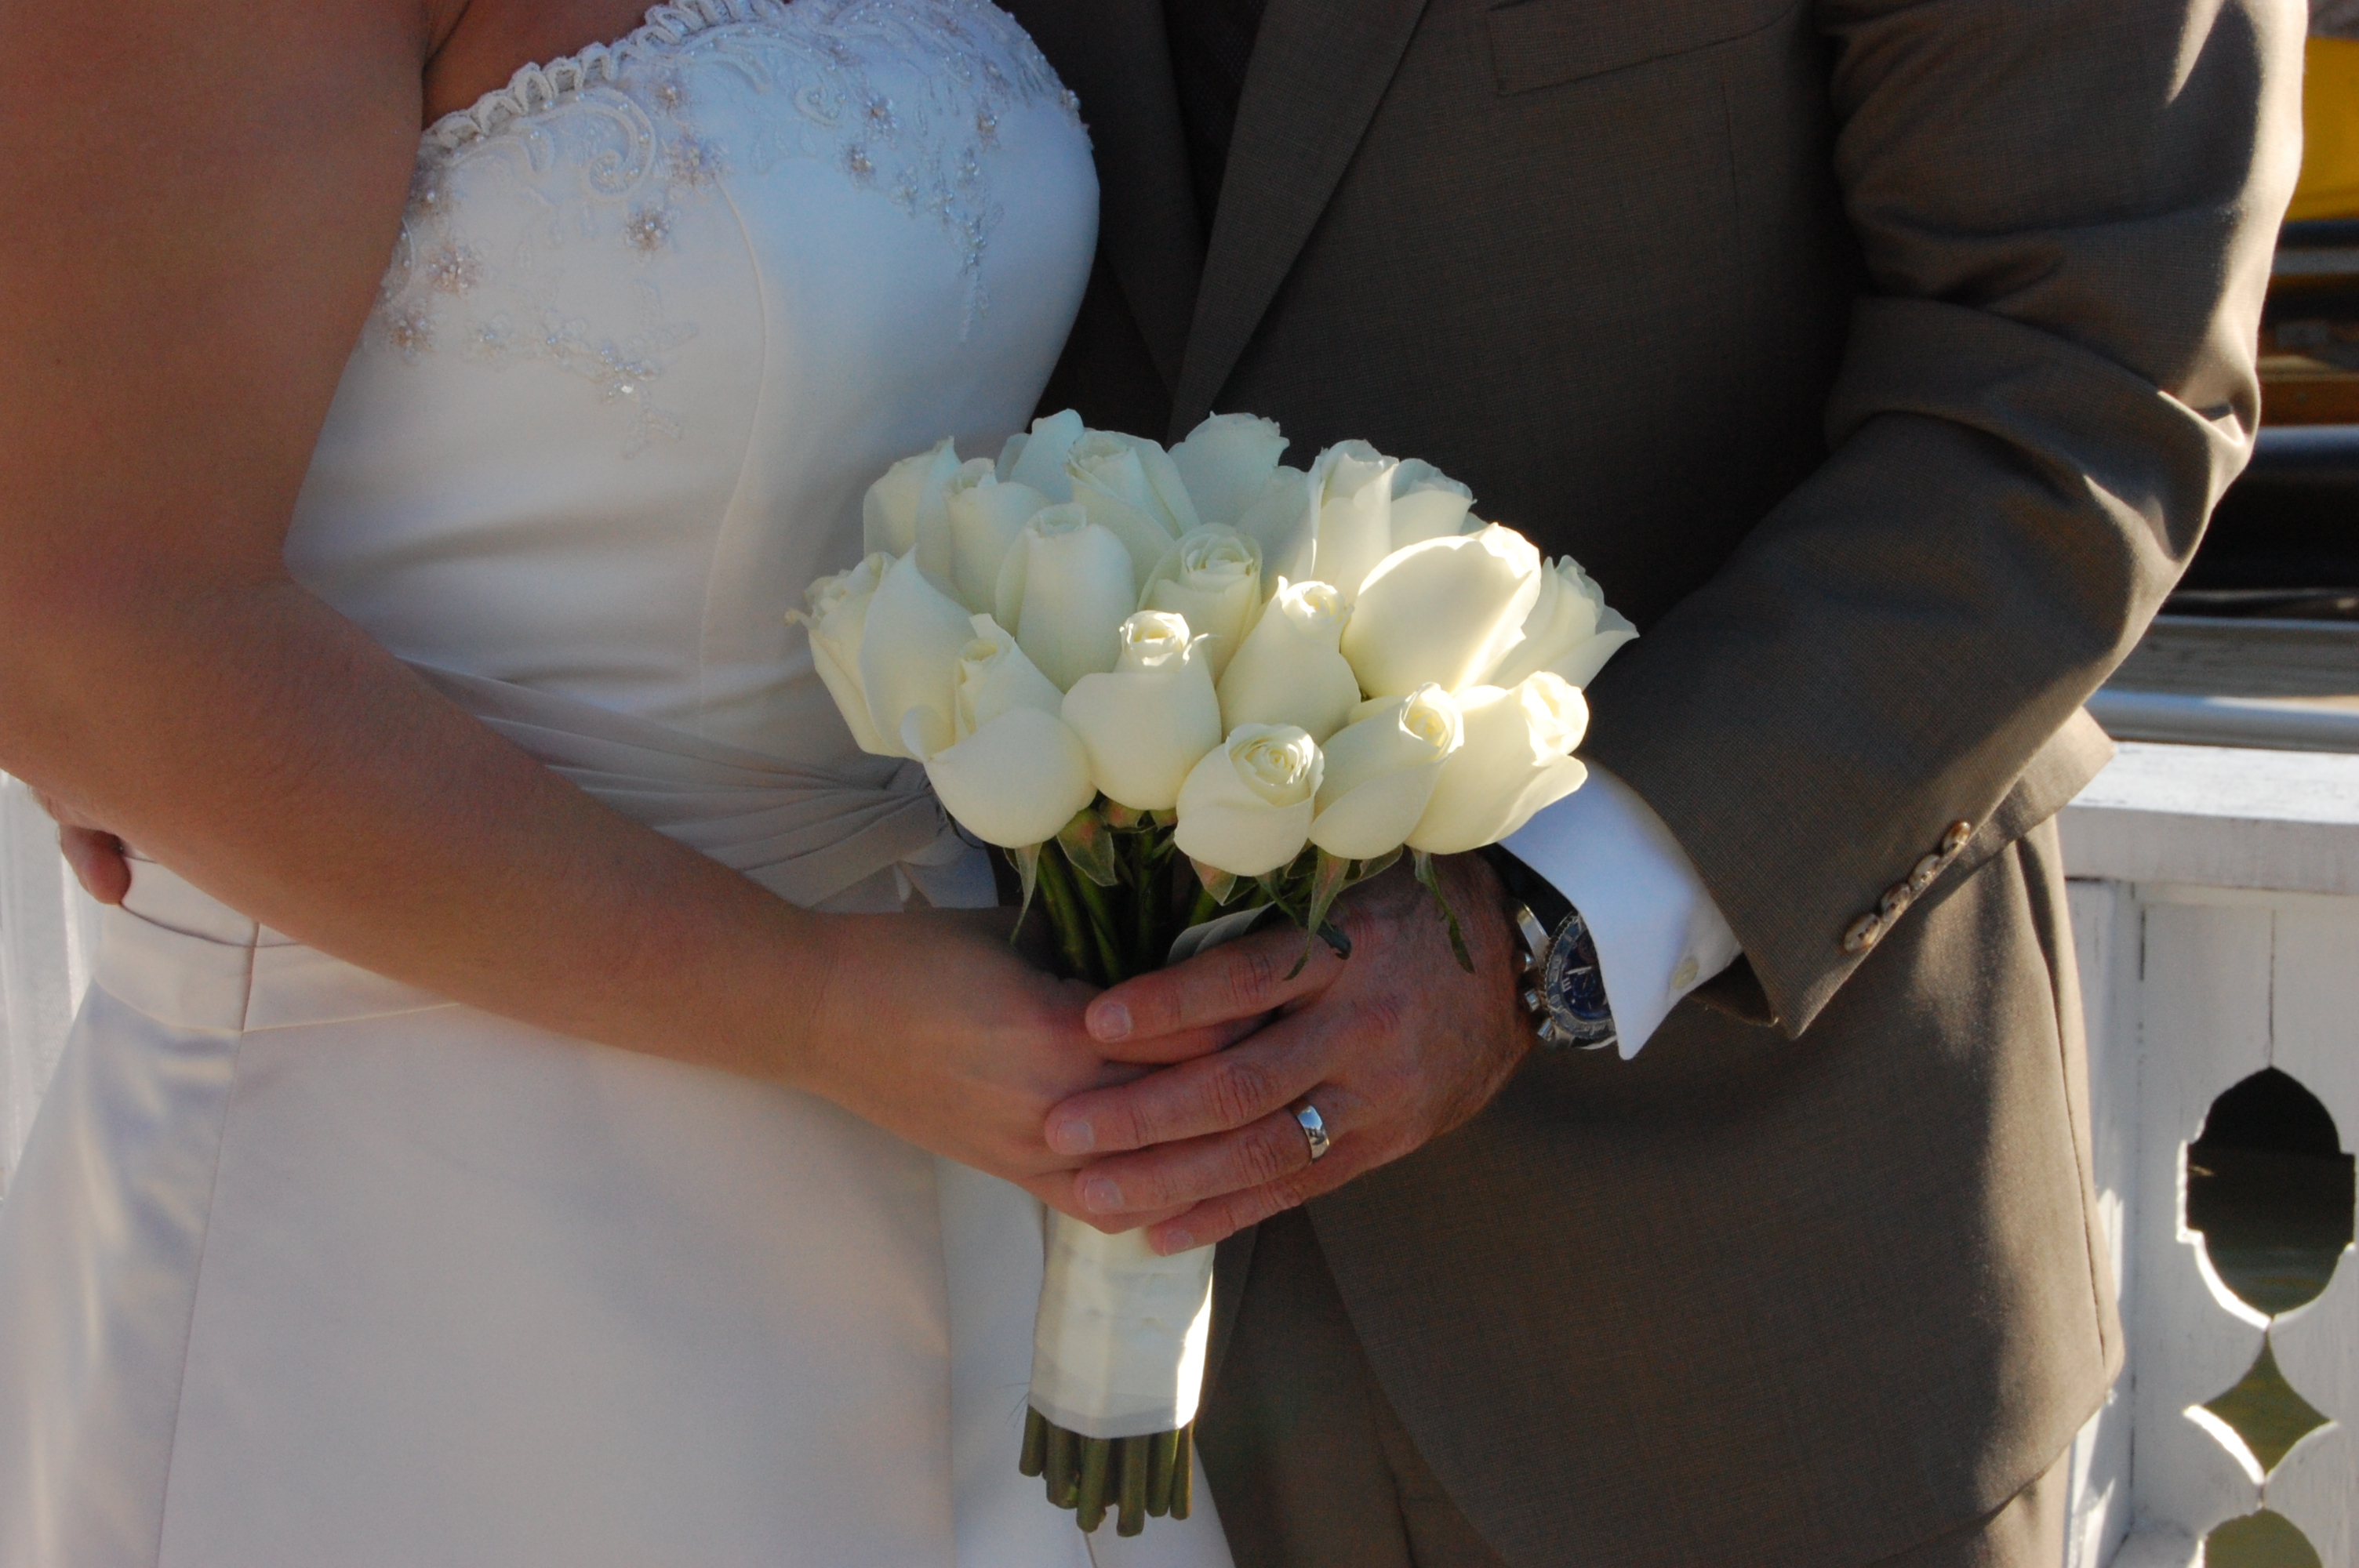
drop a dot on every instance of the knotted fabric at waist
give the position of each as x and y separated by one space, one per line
806 833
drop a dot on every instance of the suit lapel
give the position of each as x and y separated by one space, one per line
1319 71
1115 56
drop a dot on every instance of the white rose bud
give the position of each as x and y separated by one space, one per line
1212 576
984 516
1283 519
1513 765
1225 462
1355 486
836 614
1016 781
1038 460
1148 722
910 495
1571 632
1445 612
1246 808
1427 503
1129 488
910 650
1289 670
1064 591
995 677
1380 774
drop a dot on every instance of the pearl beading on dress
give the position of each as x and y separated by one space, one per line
603 142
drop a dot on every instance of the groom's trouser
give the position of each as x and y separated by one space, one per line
1312 1469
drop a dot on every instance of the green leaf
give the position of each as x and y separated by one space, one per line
1368 871
1220 885
1431 881
1329 877
1027 861
1089 845
1122 818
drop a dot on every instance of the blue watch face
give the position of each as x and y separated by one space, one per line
1575 987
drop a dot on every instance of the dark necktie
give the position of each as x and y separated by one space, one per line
1211 40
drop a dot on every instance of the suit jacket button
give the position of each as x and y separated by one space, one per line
1956 838
1922 876
1860 935
1895 900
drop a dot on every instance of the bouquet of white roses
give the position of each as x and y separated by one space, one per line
1175 683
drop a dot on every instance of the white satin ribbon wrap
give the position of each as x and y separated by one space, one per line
1118 1348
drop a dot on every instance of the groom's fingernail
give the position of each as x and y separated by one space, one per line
1072 1135
1101 1195
1109 1020
1176 1242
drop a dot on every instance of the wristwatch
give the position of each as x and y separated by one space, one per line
1564 990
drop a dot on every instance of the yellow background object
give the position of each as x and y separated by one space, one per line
2330 123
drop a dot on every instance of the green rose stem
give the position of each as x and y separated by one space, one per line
1036 1444
1183 1471
1097 1460
1100 911
1064 1467
1131 1456
1159 1450
1065 917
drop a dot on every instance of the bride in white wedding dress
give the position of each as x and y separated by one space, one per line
338 1240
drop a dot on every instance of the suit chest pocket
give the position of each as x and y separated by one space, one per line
1546 43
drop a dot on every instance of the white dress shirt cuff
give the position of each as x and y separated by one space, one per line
1659 933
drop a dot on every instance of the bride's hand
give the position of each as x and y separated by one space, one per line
94 853
931 1026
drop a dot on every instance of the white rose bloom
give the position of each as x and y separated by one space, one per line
1380 774
1016 781
1129 488
1571 632
1355 485
995 677
1064 591
1038 460
890 512
1289 670
1225 462
1246 808
1212 576
837 612
1148 722
1445 611
910 644
1514 763
1283 519
1427 503
984 515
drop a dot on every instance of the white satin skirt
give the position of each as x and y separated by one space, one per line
306 1269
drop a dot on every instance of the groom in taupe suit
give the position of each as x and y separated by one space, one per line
1882 359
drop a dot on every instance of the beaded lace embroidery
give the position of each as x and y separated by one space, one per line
605 144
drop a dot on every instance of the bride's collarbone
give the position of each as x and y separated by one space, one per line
476 46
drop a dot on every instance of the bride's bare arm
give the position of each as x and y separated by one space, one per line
203 199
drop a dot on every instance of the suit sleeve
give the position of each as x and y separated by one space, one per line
2067 211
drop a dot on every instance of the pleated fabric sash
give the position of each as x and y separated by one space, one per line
804 833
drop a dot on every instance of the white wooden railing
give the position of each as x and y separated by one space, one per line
2215 909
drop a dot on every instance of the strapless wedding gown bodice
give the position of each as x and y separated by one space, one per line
304 1266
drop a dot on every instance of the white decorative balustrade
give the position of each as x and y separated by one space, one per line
2215 907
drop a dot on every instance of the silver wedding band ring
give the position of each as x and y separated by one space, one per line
1314 1131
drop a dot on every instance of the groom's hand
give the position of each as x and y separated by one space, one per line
1392 1047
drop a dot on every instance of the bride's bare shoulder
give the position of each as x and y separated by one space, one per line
479 44
206 194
